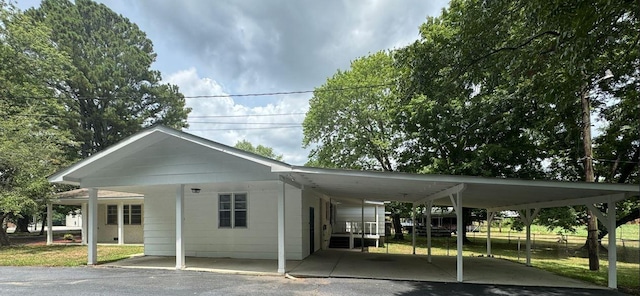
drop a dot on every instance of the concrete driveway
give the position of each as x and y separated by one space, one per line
353 264
26 281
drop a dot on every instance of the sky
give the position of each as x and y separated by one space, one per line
255 46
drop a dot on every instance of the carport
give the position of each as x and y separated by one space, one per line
492 194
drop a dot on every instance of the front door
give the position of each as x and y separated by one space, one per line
312 230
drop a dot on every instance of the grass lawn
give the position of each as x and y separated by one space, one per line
563 259
61 255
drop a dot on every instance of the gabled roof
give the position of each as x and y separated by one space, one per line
145 138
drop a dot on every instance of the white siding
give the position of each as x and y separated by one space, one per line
203 237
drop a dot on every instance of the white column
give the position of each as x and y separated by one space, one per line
180 257
362 228
49 223
85 218
529 241
429 207
377 225
613 269
460 229
120 223
489 220
413 231
282 260
92 243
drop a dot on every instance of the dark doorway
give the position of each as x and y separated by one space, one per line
312 230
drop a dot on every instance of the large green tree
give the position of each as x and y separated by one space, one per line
31 140
547 59
260 149
351 121
112 92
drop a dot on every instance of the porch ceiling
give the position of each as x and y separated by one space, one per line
487 193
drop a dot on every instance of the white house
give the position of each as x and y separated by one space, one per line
202 198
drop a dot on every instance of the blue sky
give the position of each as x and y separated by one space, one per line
254 46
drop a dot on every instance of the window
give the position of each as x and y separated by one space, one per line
112 215
232 210
132 214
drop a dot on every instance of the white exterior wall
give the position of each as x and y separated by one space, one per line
309 200
353 213
203 237
133 234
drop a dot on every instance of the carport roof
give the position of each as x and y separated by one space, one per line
477 192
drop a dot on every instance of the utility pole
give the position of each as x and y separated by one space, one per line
592 223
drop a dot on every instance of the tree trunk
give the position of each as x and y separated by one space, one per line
398 227
466 220
44 221
22 225
4 238
592 224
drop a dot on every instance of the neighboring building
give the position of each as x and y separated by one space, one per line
109 202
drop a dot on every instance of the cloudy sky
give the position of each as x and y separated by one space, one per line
255 46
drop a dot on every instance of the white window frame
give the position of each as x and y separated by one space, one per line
232 210
126 212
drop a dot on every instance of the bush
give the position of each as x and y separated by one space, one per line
68 237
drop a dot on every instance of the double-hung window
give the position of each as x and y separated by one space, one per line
132 214
232 210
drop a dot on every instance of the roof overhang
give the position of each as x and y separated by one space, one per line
487 193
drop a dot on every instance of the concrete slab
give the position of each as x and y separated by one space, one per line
480 270
352 264
220 265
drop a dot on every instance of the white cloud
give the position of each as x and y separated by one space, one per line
224 120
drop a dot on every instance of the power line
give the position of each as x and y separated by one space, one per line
246 115
228 122
261 94
241 129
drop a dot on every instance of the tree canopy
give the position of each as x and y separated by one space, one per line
76 78
111 91
494 89
31 141
260 150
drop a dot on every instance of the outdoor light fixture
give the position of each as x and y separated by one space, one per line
195 190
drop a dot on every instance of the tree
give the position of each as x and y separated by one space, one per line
351 123
112 92
350 120
260 150
558 53
31 141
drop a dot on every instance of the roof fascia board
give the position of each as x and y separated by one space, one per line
562 203
468 179
100 199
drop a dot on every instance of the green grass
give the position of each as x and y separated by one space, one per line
563 259
626 231
61 255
